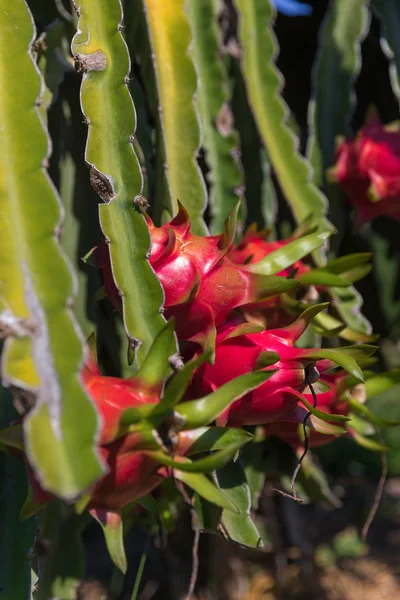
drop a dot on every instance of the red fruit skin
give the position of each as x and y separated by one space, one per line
112 396
236 356
368 170
130 472
201 284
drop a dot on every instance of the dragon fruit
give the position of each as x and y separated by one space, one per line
368 170
239 352
253 248
140 428
329 400
201 284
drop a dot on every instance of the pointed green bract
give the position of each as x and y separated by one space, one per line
209 439
208 408
102 55
155 366
37 285
346 357
201 465
176 79
177 385
322 426
112 526
295 250
239 527
323 415
362 410
368 442
381 382
205 488
220 140
316 277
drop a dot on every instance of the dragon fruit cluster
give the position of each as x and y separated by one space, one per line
212 289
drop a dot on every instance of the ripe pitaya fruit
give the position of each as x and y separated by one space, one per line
253 248
367 169
285 258
202 285
329 400
239 352
139 426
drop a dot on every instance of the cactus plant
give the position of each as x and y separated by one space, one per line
129 131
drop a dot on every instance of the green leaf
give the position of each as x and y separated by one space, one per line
283 258
327 323
344 356
176 80
37 283
348 262
155 366
239 527
252 459
177 385
361 409
208 514
323 415
343 270
112 526
317 277
381 383
209 439
347 303
201 465
115 173
205 488
298 327
220 140
322 426
205 410
368 443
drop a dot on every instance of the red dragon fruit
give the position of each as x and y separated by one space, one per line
329 400
131 473
139 427
368 170
201 284
253 248
238 352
